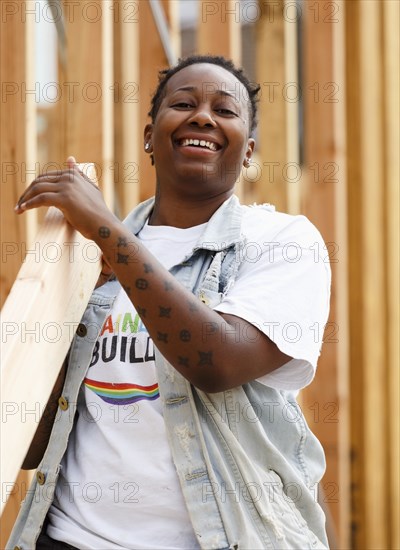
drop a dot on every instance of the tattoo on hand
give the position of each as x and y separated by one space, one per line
104 232
184 361
141 284
162 337
165 312
122 258
205 359
185 336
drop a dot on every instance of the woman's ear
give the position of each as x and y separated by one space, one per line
249 151
148 133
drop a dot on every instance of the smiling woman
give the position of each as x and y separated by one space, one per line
182 427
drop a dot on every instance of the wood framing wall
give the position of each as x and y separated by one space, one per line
18 156
328 142
323 200
372 125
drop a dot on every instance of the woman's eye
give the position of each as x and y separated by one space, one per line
182 105
225 112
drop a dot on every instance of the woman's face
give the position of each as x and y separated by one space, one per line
200 137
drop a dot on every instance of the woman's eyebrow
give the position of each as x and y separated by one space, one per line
207 91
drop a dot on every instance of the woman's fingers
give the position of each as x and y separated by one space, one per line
44 199
35 189
82 204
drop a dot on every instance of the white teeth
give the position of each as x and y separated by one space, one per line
197 143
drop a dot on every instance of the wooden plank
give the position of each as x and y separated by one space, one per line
18 153
272 135
90 84
391 90
127 133
18 136
340 285
374 427
152 58
292 115
367 276
39 319
219 29
323 201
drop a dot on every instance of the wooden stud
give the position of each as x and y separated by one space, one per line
18 168
89 78
368 263
323 201
391 16
292 98
127 133
18 136
152 58
272 133
219 29
37 328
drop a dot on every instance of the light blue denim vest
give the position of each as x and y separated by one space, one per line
247 462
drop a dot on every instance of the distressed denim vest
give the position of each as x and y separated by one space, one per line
246 460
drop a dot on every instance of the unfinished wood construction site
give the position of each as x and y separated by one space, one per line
327 147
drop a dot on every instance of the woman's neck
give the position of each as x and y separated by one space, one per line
184 213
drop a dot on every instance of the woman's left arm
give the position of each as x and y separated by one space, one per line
213 351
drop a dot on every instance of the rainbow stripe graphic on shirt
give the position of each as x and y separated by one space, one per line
122 394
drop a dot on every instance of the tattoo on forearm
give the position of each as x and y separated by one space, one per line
212 327
185 335
193 306
184 361
168 286
104 232
162 337
205 359
122 258
148 268
141 284
141 311
122 241
165 312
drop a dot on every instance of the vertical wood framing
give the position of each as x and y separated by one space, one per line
391 16
293 170
372 127
374 428
18 136
272 135
127 131
152 58
89 76
219 29
18 158
323 199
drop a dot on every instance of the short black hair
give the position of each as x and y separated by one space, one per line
227 64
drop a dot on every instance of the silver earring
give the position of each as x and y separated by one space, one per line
147 147
247 162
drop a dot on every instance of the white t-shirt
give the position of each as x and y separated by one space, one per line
118 487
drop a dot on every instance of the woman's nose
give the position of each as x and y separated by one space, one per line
202 116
